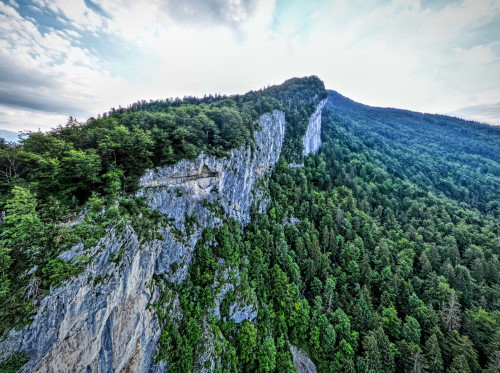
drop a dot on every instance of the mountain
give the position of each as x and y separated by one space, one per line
9 136
448 156
287 229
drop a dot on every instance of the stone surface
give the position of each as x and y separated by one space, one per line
240 313
228 280
98 321
73 253
302 361
206 360
102 320
312 139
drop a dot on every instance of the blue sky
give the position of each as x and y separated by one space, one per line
82 57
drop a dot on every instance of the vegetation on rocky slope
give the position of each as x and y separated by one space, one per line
72 183
359 261
380 254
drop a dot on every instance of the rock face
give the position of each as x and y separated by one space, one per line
241 309
98 321
302 361
312 138
102 320
192 189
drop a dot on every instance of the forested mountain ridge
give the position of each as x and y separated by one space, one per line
444 154
377 253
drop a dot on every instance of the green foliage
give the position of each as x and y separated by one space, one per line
20 235
247 340
448 156
13 363
432 355
21 224
57 270
32 243
411 330
52 176
379 255
390 322
364 265
377 263
267 355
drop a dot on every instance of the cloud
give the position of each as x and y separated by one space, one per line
400 53
52 73
81 57
14 74
17 120
76 13
477 56
232 13
29 99
488 113
41 71
438 4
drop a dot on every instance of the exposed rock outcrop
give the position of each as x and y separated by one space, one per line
98 321
192 188
312 139
101 321
301 361
227 281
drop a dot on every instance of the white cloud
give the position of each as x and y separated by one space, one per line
386 54
401 55
18 120
77 12
67 77
476 56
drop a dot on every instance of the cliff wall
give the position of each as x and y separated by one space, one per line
312 138
102 320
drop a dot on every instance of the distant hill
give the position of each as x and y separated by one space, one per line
9 135
446 155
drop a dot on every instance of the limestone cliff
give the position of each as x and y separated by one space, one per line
312 139
302 362
101 321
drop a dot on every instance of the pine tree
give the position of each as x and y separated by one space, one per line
432 355
417 361
494 363
411 330
462 346
267 355
459 365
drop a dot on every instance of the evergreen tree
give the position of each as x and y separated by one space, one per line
432 355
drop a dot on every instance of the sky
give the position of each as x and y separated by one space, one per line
61 58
